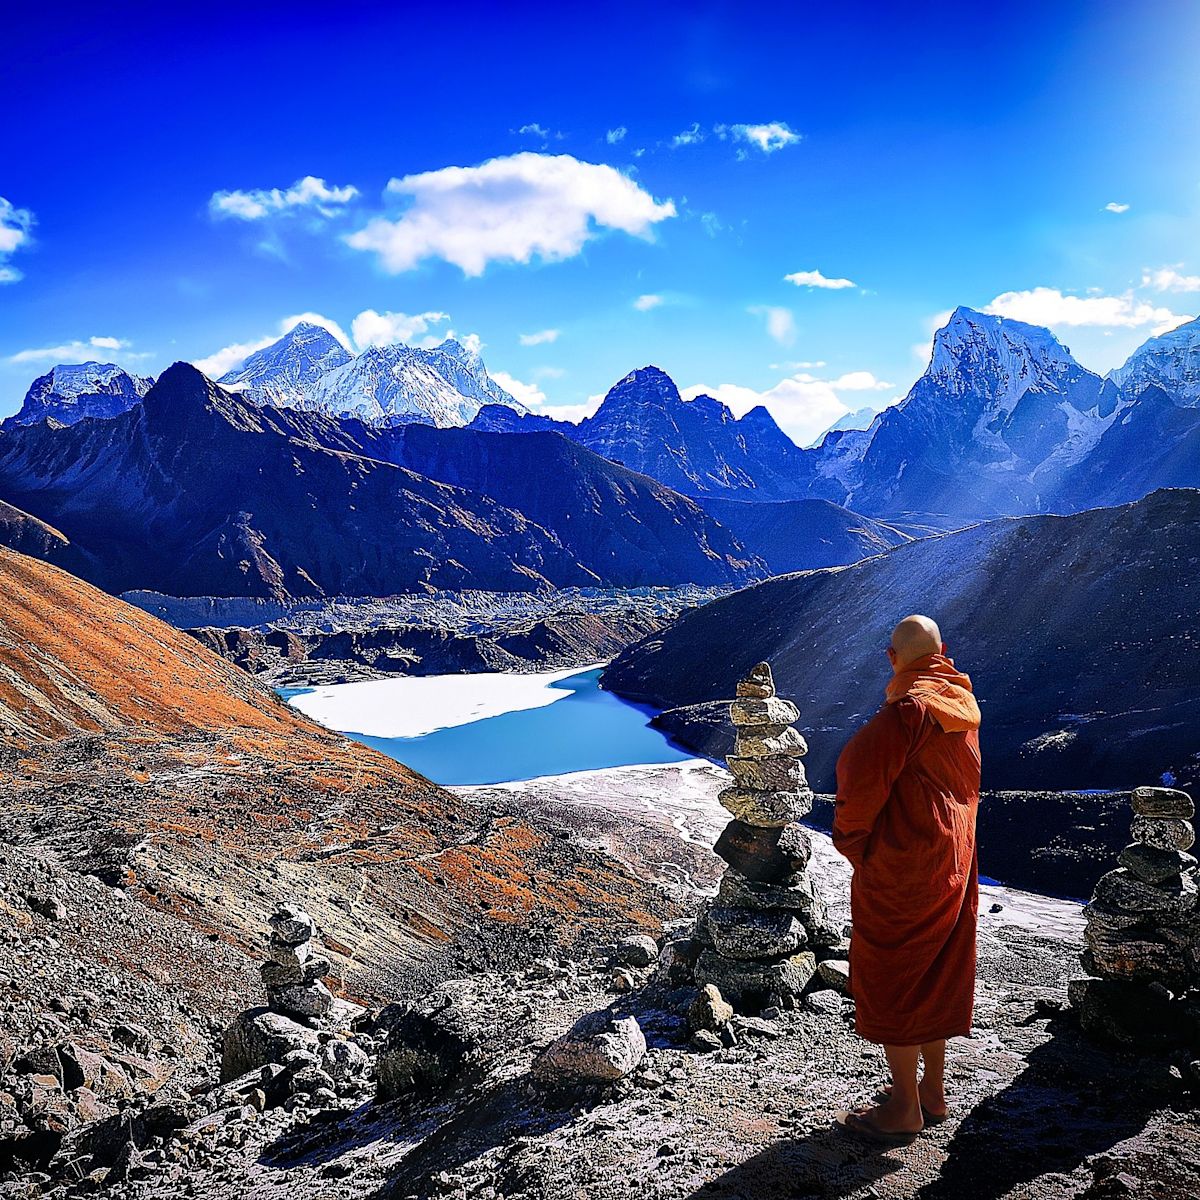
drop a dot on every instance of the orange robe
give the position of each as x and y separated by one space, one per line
908 793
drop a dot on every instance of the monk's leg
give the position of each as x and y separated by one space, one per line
901 1111
932 1089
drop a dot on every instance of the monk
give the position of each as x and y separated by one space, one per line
907 795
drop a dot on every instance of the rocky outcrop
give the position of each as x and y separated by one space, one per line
763 935
1143 933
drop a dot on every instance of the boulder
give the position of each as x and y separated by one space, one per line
794 893
826 1001
754 933
766 808
835 973
302 999
764 854
676 962
1125 892
748 712
1154 866
261 1036
758 684
276 975
599 1048
291 925
766 741
1166 833
746 983
343 1060
709 1010
1162 802
778 773
1138 958
1130 1014
638 950
444 1039
86 1069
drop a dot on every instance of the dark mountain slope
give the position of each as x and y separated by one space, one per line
197 492
626 528
1080 632
800 535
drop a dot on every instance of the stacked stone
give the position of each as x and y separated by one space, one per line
763 934
1143 924
292 973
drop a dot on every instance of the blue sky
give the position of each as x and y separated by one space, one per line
590 191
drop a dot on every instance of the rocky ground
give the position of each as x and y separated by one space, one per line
1037 1110
311 643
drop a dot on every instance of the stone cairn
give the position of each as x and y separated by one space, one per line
1143 933
292 972
762 936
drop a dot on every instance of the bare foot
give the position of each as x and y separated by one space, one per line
892 1117
932 1101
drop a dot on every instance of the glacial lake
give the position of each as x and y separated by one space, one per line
462 730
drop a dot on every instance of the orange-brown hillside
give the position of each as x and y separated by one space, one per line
133 753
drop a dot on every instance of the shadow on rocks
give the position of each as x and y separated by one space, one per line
1074 1100
825 1163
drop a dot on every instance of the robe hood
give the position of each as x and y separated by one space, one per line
945 692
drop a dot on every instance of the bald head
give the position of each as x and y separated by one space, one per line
915 637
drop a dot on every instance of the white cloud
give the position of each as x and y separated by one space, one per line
1050 307
77 351
1168 279
648 301
1113 207
689 137
229 357
769 137
814 279
15 224
529 394
803 405
533 129
541 338
510 209
371 328
781 325
613 136
309 192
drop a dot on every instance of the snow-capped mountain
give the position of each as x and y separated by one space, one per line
71 392
1001 412
309 368
1170 361
283 373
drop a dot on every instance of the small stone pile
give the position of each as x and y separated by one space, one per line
763 934
292 973
1143 931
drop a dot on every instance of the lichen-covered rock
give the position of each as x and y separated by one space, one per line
766 808
1140 957
302 999
637 950
1125 892
774 711
280 975
835 973
1155 866
795 893
745 981
765 741
779 773
758 684
599 1048
343 1060
709 1010
292 925
754 933
765 853
1162 802
260 1036
1166 833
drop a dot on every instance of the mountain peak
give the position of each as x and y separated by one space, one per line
1000 357
69 392
645 385
1170 361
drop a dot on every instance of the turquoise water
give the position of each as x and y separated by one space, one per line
586 730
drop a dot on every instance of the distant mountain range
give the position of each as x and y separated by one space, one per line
400 467
308 368
1078 632
69 393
